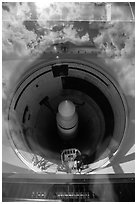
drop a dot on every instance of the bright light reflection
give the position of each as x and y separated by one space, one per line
42 5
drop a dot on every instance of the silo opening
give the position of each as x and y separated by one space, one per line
98 103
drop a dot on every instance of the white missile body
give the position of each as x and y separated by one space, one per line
67 119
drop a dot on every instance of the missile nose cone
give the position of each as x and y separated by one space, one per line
67 118
66 109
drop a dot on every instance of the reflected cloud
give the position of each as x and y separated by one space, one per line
117 45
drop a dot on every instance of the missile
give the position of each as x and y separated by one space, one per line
67 119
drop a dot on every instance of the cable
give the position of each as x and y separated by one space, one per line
131 11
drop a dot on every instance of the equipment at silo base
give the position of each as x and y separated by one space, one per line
72 161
